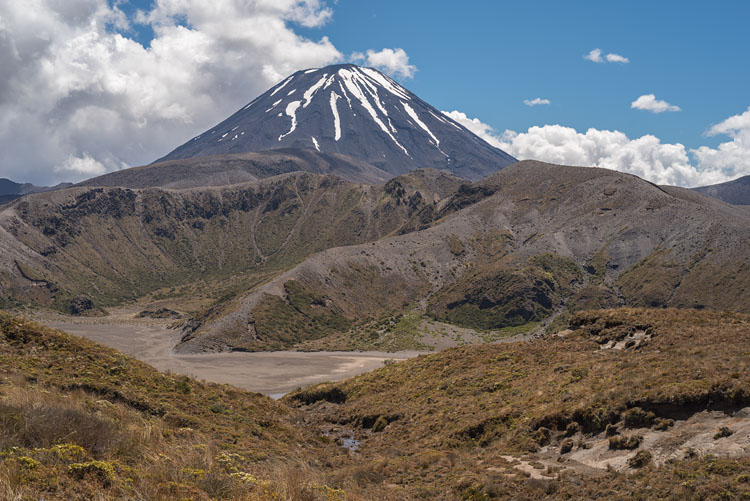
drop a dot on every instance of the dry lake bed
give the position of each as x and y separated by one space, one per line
272 373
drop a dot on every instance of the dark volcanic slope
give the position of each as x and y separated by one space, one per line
8 187
735 192
223 170
10 190
354 111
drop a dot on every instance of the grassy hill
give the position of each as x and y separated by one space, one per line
81 421
627 403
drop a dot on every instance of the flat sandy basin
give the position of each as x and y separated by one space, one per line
272 373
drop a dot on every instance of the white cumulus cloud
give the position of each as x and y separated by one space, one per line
596 56
732 126
535 102
476 126
79 96
648 102
617 58
646 156
731 156
394 62
84 165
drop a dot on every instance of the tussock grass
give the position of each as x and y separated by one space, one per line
81 421
481 402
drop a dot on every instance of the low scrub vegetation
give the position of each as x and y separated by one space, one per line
468 407
80 421
506 293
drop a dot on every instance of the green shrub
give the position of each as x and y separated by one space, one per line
620 442
723 433
542 436
638 418
27 463
101 470
662 424
68 452
380 424
641 459
566 446
183 385
325 392
572 429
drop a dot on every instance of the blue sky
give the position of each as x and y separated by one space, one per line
486 57
104 89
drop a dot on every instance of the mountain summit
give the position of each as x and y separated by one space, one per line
355 111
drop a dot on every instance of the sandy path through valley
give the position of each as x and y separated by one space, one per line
272 373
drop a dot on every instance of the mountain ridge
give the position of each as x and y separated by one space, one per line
524 245
735 192
10 190
113 244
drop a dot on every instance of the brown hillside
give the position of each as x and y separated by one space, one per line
529 242
82 421
108 245
628 404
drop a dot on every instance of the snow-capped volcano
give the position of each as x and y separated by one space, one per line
354 111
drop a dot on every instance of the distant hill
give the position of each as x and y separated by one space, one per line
10 190
736 192
8 187
353 111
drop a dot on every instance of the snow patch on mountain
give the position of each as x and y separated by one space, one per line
352 83
336 119
415 117
386 83
291 111
282 85
343 91
309 93
273 105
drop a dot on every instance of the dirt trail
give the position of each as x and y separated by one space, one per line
272 373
